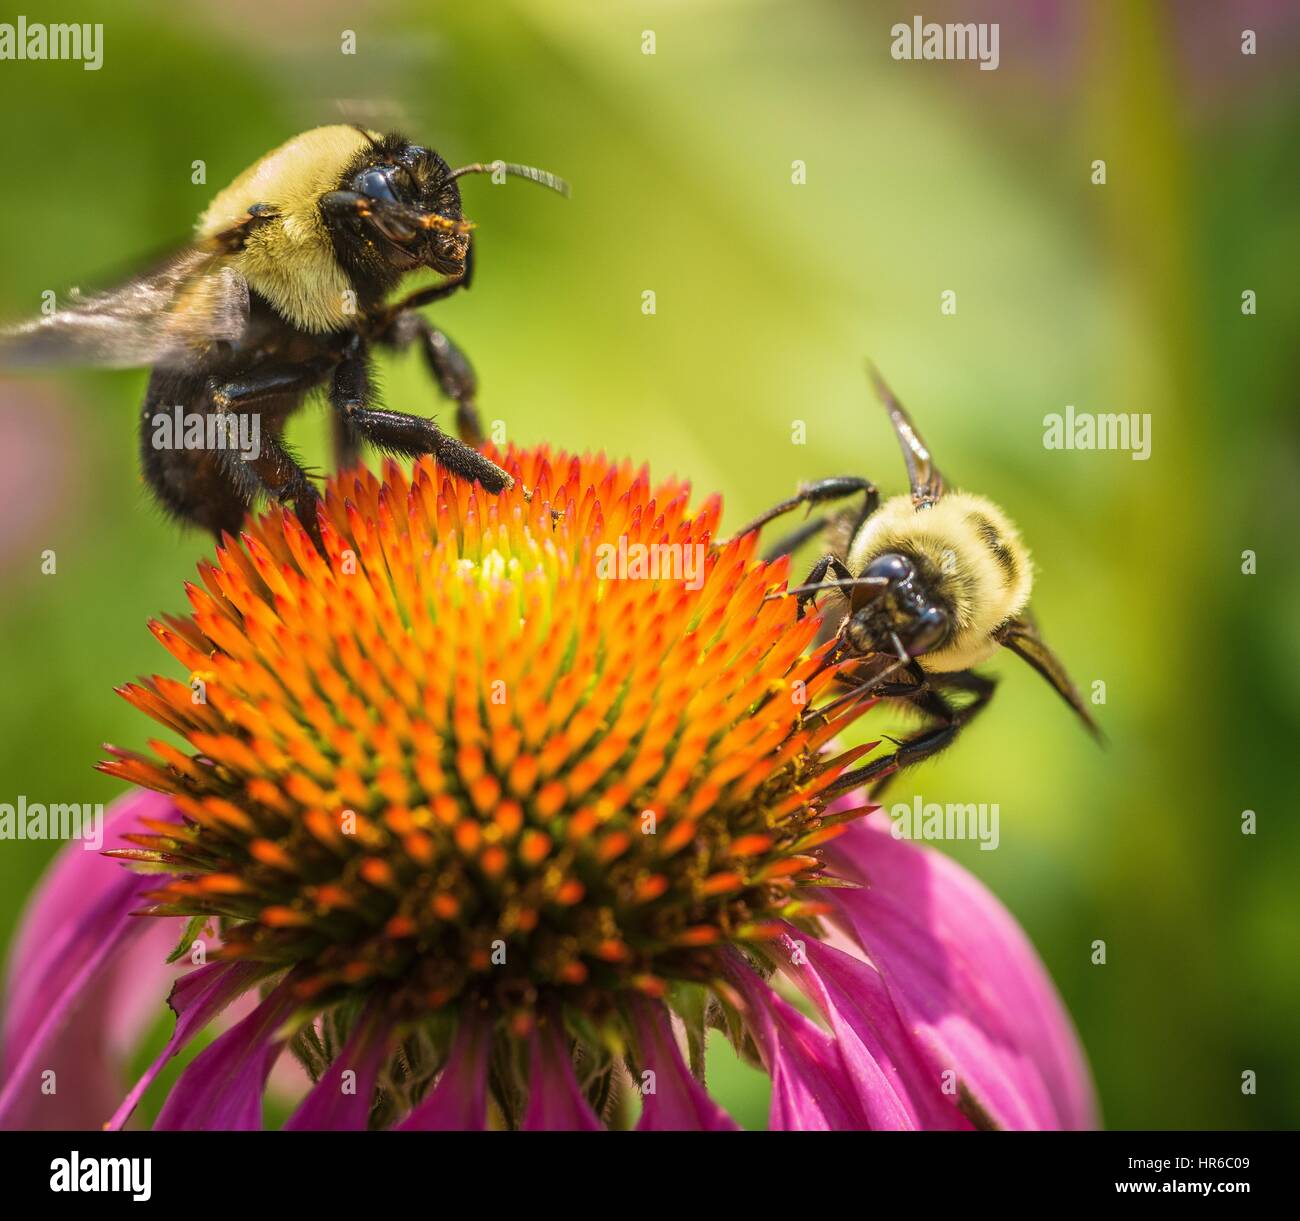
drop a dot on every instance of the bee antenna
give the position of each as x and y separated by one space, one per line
543 178
851 583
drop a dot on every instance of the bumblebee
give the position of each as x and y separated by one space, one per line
285 289
932 584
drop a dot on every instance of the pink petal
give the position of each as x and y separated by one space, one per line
678 1102
196 999
138 986
67 978
965 981
221 1088
328 1108
896 1089
75 881
555 1100
81 1024
810 1088
458 1102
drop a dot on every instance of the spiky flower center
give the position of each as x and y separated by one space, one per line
483 749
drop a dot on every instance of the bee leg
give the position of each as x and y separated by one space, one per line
346 444
454 374
277 472
266 382
812 583
947 721
447 365
273 468
409 435
835 488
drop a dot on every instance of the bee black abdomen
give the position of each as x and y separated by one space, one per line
190 484
202 485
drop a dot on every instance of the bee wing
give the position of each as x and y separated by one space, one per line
165 317
922 474
1022 638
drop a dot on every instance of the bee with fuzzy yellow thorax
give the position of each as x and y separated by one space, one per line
932 583
285 289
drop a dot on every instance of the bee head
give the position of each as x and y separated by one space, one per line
410 211
902 606
403 210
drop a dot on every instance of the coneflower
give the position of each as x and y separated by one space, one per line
497 807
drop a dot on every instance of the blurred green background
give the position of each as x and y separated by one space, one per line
921 177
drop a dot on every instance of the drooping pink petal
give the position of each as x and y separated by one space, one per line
84 979
75 881
810 1090
555 1100
67 975
221 1088
196 999
897 1090
458 1102
673 1100
339 1104
136 989
965 981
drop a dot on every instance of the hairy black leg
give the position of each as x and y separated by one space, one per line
274 469
213 487
264 382
815 581
346 443
404 434
451 369
947 721
279 474
819 492
447 365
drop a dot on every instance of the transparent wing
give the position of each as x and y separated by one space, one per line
1022 638
166 317
922 474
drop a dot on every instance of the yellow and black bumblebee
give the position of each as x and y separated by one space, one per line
932 583
284 289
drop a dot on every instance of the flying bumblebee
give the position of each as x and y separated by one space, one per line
283 290
932 584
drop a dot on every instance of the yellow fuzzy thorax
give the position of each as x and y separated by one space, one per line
290 260
971 552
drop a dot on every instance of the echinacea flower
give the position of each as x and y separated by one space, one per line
489 813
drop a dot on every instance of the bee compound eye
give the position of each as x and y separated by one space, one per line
929 630
375 183
893 567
